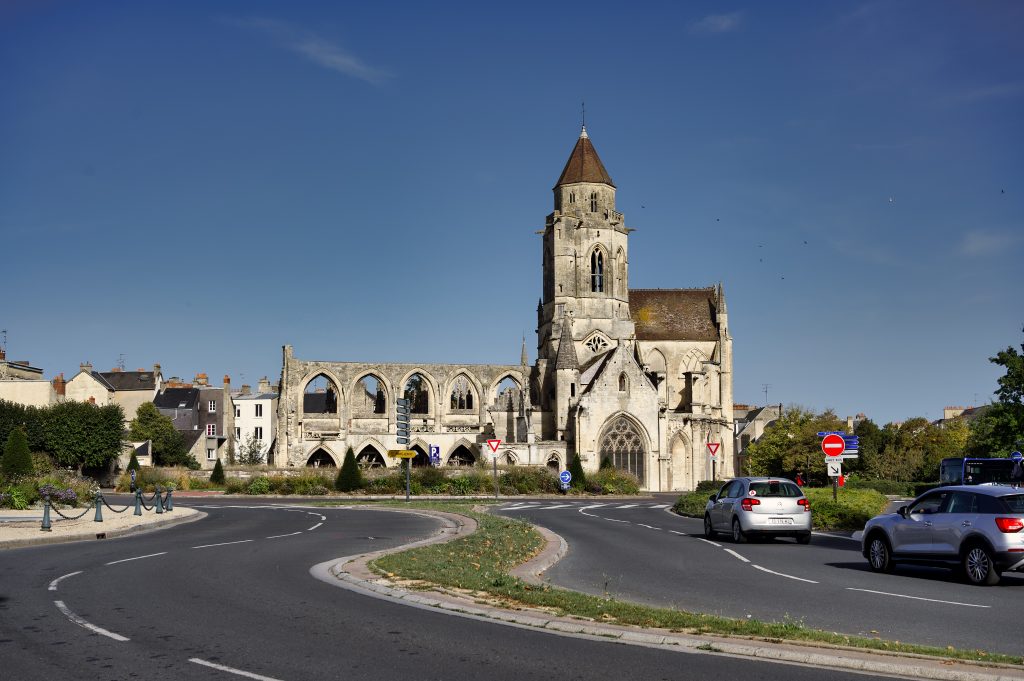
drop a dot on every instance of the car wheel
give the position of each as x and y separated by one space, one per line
879 554
709 531
978 566
737 532
803 538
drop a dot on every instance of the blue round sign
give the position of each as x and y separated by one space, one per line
1017 456
565 476
133 473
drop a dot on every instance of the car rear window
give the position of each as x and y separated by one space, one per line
775 488
1014 501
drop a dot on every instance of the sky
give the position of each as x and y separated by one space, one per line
196 184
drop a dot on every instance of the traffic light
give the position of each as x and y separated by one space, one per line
402 419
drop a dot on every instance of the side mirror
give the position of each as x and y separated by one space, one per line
902 510
713 497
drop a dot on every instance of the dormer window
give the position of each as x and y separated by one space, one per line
593 202
596 272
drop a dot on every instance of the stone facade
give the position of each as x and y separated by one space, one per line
642 378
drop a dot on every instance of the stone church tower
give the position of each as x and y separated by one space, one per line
642 378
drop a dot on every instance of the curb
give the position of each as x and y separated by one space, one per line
352 573
91 536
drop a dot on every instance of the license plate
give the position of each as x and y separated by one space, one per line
780 521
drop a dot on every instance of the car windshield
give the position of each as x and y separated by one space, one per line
775 488
1015 502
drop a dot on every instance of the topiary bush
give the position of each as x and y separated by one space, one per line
17 459
350 478
579 480
217 476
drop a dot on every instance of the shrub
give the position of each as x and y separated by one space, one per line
891 487
606 462
692 504
853 508
217 476
235 486
432 480
260 485
708 487
463 485
614 481
530 480
42 464
13 497
389 483
17 459
311 485
579 480
350 478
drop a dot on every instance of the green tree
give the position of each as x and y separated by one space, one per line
251 451
1000 429
80 434
217 476
17 460
871 443
579 480
133 463
791 443
168 443
350 478
606 462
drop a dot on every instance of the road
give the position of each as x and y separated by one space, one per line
234 590
637 551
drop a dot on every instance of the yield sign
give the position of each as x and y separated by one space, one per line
494 444
713 447
833 445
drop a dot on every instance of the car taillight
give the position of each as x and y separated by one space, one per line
1010 524
749 502
806 504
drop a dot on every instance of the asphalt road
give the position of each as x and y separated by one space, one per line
637 551
234 590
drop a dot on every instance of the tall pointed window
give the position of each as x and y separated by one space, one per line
597 271
593 202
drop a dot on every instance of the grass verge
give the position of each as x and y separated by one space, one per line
480 563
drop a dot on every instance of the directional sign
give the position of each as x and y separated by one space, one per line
833 445
402 453
713 448
494 444
402 440
835 468
565 477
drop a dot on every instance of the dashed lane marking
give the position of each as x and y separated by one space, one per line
314 527
649 527
88 625
290 534
548 508
125 560
681 534
919 598
780 574
707 541
232 670
628 506
614 520
53 584
226 543
730 551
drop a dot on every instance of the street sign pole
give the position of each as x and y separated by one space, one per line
402 409
494 444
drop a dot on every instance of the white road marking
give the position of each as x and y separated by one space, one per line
227 543
592 506
745 560
706 541
321 517
649 527
53 584
840 536
125 560
659 506
314 527
799 579
614 520
278 536
628 506
919 598
88 625
681 534
232 670
548 508
517 507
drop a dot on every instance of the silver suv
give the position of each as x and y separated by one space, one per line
768 507
976 528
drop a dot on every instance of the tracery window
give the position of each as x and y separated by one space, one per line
597 271
597 344
369 396
623 445
462 394
417 393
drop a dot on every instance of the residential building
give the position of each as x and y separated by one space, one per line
22 383
129 389
256 418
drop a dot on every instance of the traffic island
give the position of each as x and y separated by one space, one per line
22 528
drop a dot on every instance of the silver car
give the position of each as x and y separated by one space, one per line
976 528
769 507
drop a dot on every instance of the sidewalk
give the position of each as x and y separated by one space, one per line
22 528
353 573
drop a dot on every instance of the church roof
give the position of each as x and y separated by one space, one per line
566 357
674 314
584 165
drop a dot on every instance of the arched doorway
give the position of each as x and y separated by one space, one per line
461 456
370 458
422 459
321 458
623 444
554 463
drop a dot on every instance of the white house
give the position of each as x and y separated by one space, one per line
256 419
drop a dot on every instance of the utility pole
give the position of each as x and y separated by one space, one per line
764 387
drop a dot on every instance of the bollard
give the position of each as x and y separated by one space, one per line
170 501
138 502
46 516
99 508
159 501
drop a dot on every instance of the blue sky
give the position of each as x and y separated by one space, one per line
196 184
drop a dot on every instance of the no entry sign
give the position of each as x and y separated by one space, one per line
833 445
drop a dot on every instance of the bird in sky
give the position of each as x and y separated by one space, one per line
892 200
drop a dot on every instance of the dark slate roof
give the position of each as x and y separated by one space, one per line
172 398
190 437
674 314
566 357
130 380
584 165
104 382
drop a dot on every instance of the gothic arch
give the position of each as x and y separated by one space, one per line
681 455
692 360
597 342
625 442
430 385
465 444
332 379
619 272
598 266
516 378
556 459
657 368
474 386
461 456
510 458
364 455
357 391
322 457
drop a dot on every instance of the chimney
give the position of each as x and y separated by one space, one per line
114 370
92 400
201 379
264 386
3 354
246 389
59 386
156 368
86 367
227 380
140 370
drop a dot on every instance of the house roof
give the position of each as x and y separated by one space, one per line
102 381
584 165
257 396
674 314
177 398
129 380
190 438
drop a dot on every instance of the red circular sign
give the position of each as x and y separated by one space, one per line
833 445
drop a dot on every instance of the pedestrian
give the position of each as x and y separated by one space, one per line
800 478
1017 472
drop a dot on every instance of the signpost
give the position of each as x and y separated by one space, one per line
403 407
833 445
435 456
838 446
713 451
835 468
494 444
564 478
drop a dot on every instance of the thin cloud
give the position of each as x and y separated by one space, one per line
315 48
980 242
717 23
